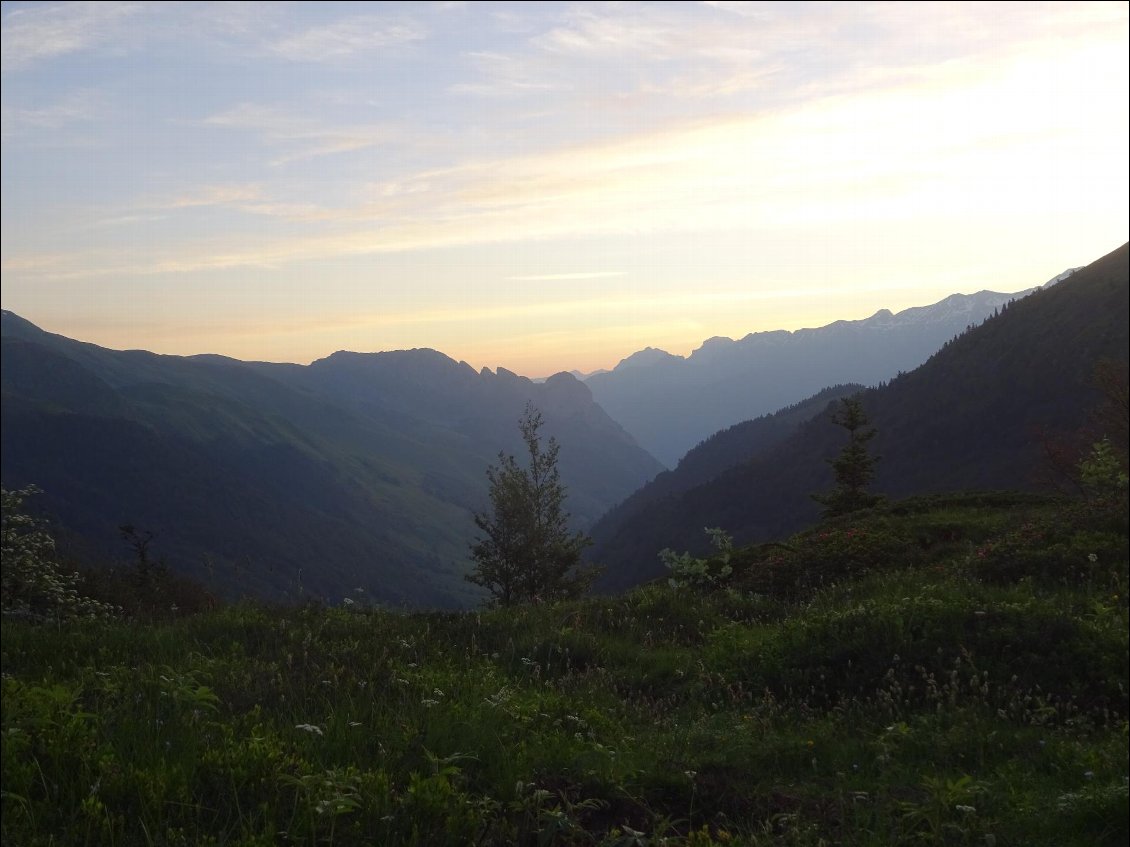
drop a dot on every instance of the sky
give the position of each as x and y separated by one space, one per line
544 186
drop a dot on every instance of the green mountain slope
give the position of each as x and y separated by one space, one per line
670 403
970 417
740 443
283 481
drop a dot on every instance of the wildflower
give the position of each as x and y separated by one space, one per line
428 703
966 810
309 727
1092 558
355 723
690 775
347 601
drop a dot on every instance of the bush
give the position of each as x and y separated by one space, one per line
32 585
700 573
1052 552
829 554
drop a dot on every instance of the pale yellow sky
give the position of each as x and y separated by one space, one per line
546 187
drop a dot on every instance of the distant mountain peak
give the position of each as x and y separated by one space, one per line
562 377
565 386
1061 277
647 357
14 323
715 342
581 376
669 403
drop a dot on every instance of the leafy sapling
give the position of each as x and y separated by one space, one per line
701 573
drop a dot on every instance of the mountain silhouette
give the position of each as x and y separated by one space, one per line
972 416
288 481
670 403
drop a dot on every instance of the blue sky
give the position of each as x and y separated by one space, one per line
544 186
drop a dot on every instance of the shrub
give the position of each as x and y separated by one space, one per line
687 570
32 584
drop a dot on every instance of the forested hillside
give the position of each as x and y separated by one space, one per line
670 403
740 443
979 414
287 481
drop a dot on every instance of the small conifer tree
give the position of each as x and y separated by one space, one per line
527 552
854 467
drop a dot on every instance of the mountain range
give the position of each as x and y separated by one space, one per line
978 414
359 473
670 403
282 481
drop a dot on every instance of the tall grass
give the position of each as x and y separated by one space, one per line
924 698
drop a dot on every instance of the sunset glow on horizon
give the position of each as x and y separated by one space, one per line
545 187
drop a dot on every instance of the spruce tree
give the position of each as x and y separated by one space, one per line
854 467
527 552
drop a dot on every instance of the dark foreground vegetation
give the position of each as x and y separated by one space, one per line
947 670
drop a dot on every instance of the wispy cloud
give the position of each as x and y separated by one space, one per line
81 106
303 137
228 138
214 195
831 163
126 220
501 75
629 60
44 32
250 198
348 38
566 276
649 30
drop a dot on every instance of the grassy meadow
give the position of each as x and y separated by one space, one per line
936 671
